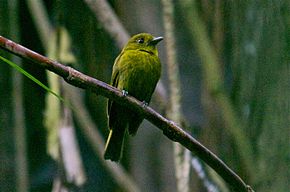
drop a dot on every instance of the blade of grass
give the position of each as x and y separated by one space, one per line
31 77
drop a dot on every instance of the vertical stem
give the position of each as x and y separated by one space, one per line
214 83
70 153
22 183
95 139
181 155
105 14
40 18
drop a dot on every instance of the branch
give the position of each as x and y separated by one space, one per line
105 14
169 128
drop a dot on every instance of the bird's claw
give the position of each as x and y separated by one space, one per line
144 104
124 93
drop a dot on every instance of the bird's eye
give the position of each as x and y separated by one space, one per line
141 40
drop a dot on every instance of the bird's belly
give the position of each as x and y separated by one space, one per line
140 81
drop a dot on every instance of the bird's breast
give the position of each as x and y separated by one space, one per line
140 74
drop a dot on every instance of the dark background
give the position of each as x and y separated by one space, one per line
252 41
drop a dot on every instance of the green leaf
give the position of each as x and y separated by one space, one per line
21 70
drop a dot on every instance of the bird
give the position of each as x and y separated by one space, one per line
136 71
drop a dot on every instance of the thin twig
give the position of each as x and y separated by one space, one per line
169 128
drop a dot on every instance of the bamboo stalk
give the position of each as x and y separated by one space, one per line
181 155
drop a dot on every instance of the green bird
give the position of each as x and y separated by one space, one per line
136 72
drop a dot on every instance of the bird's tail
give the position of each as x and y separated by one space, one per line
114 144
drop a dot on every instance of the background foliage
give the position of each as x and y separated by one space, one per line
252 42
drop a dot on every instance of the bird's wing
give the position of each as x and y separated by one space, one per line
114 80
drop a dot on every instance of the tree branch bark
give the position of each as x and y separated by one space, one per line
169 128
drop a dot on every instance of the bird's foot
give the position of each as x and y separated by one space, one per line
144 104
124 93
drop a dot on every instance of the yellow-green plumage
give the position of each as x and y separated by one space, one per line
136 70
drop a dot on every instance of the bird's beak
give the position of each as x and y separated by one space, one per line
155 40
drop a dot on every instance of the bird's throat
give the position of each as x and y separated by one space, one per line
150 52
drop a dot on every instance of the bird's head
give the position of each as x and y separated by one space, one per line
143 42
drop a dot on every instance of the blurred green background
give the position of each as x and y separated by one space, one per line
252 42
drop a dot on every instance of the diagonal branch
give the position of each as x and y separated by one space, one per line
109 20
169 128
